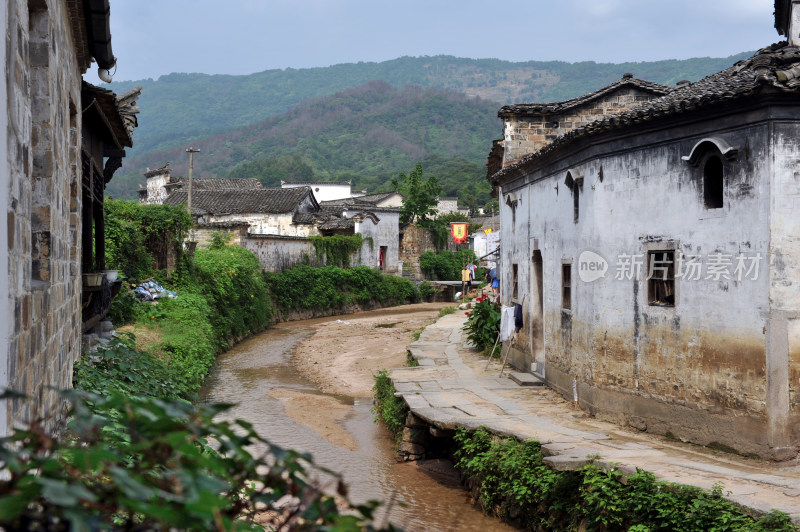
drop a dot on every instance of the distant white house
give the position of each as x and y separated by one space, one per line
324 190
450 205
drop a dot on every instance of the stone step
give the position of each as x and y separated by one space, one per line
526 379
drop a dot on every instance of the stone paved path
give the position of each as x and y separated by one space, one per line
452 388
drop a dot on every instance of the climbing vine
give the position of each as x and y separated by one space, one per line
338 249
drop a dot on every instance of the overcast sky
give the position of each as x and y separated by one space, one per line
155 37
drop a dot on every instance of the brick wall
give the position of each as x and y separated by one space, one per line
43 207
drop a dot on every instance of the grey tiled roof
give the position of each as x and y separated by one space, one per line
263 201
215 183
559 107
774 68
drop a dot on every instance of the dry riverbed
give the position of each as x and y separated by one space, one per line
343 356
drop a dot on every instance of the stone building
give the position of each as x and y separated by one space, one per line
654 252
48 136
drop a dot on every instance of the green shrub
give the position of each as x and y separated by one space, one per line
445 265
388 408
168 465
137 236
426 290
329 287
230 280
337 250
483 324
511 479
119 367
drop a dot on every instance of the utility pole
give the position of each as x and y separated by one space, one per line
191 151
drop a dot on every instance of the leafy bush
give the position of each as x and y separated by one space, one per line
329 287
510 479
168 466
124 306
445 265
139 237
119 367
337 250
230 280
388 408
426 290
483 324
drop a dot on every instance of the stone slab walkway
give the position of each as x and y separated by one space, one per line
452 388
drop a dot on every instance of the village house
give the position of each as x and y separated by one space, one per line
276 223
62 140
653 247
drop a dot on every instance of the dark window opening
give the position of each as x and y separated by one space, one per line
661 278
713 183
575 203
566 286
514 281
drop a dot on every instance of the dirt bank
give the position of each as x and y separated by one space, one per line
345 352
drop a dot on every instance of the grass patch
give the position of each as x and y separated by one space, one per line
445 311
416 334
388 408
411 362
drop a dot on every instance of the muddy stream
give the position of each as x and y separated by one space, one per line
258 375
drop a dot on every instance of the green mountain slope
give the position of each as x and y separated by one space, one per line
367 134
179 108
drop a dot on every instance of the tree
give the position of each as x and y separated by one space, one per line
419 196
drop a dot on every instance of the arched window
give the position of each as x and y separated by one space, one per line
713 183
707 155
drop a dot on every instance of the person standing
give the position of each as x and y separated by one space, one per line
466 281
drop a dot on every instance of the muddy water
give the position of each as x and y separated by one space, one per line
246 374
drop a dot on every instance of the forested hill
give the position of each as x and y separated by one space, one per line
368 134
181 109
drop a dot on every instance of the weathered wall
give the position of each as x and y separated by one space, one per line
384 233
783 329
155 189
203 235
278 253
43 204
526 134
414 241
266 224
707 352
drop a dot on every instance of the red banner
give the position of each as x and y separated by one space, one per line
459 231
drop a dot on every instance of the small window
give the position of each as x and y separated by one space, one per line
713 183
566 286
575 203
661 278
514 281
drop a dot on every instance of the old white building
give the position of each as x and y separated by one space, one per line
654 251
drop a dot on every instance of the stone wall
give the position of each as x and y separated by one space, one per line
414 241
43 206
526 134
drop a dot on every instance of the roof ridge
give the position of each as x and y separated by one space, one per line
553 107
777 66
